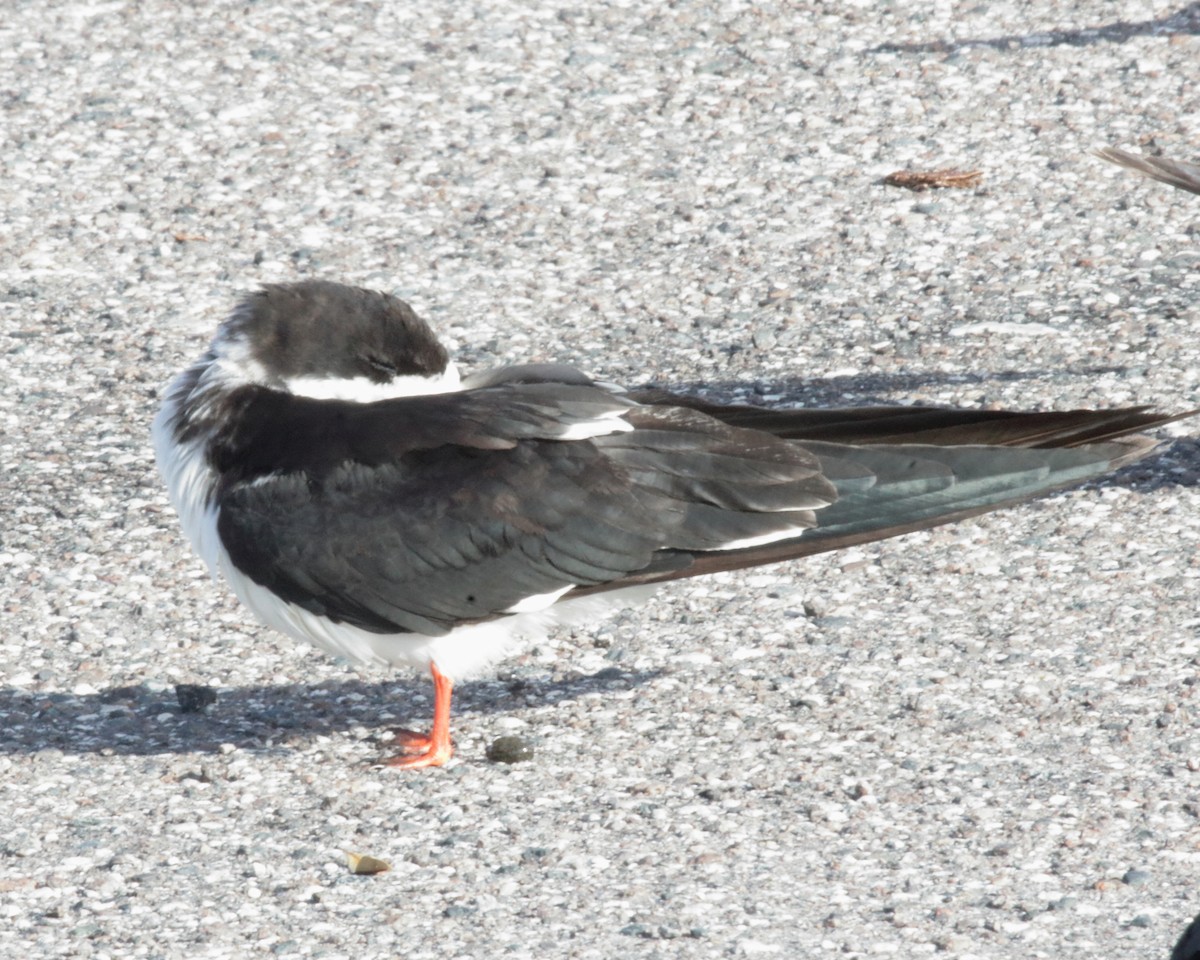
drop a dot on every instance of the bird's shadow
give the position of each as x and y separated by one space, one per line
1183 22
146 720
876 389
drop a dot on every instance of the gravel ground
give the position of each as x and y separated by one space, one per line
975 742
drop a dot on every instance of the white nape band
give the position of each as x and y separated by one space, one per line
364 390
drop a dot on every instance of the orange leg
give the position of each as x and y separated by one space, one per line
432 749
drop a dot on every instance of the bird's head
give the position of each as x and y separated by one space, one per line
330 341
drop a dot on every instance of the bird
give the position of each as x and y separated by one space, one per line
330 464
1178 173
1188 946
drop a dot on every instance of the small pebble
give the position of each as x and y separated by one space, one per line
1136 878
510 749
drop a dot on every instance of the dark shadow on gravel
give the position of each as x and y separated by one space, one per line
1185 21
140 721
1177 464
868 389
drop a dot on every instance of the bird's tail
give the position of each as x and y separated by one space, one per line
901 469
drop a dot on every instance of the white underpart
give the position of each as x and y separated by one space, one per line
462 653
189 479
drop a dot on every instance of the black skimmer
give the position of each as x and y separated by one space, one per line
1188 947
328 462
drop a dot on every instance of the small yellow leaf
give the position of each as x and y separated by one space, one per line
362 864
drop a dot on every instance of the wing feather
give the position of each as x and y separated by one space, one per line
418 514
423 513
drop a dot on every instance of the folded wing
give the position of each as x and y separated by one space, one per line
433 511
423 513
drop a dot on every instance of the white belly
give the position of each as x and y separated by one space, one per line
464 652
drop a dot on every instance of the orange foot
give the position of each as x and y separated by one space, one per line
432 749
419 750
411 742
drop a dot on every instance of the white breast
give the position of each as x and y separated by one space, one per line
464 652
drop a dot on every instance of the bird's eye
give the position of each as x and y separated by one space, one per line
382 367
